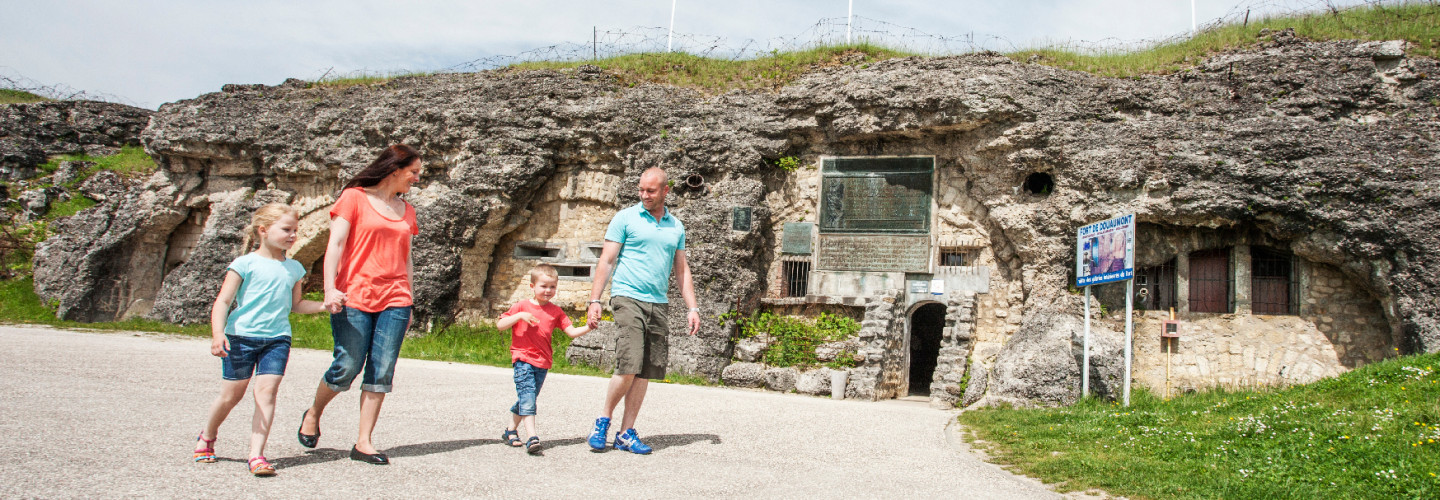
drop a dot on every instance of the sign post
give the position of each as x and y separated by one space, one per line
1104 253
1085 366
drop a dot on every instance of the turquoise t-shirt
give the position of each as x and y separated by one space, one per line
647 252
262 305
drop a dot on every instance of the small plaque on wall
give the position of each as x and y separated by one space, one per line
740 219
796 238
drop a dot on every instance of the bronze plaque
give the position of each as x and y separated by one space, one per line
876 195
888 253
740 219
796 238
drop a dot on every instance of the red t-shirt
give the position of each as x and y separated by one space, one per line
531 344
372 272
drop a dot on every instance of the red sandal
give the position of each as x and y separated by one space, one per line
207 454
261 467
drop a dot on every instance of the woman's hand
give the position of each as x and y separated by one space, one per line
334 301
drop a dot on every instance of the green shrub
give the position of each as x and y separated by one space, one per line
795 338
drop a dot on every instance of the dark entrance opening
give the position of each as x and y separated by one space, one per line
1039 183
926 325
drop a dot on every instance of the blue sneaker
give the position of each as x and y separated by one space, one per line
630 441
597 436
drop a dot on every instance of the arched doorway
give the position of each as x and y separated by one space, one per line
926 325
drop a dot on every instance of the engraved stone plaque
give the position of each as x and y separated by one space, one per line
889 253
740 219
796 238
876 195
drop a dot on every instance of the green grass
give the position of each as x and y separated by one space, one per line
364 78
131 161
1418 23
686 70
12 96
1370 433
482 345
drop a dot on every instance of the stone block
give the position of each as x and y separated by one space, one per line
750 350
744 375
814 382
781 379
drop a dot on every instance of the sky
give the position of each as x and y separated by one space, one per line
149 52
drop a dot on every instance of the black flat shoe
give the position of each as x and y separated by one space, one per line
306 440
376 459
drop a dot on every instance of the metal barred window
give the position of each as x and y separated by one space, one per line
1210 283
1273 285
957 257
1155 287
797 277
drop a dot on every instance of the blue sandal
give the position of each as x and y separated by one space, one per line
510 437
533 445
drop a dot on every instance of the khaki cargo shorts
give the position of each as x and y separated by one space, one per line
642 347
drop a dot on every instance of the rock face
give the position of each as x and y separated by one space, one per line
1042 363
32 132
1326 146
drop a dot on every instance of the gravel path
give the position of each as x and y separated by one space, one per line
115 415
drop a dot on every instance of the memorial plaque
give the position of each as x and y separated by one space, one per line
887 253
740 219
876 195
796 238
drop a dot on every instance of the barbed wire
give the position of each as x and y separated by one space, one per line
10 79
832 31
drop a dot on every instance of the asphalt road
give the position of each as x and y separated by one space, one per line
115 415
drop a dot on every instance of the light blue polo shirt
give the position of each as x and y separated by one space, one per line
262 305
647 253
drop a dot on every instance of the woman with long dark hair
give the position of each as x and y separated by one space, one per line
367 291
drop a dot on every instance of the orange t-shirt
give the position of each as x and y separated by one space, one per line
531 344
372 272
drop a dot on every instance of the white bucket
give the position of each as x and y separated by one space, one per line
838 379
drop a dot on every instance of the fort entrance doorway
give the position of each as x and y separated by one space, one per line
926 325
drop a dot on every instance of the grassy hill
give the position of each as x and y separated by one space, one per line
1370 433
10 96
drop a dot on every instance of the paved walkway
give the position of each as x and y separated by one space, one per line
115 415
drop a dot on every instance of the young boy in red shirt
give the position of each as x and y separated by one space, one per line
530 351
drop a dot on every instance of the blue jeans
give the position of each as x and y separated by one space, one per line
257 355
368 339
528 380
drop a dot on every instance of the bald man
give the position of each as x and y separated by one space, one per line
643 244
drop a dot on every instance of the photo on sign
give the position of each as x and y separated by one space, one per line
1105 251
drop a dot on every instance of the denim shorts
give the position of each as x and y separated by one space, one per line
368 341
528 380
255 355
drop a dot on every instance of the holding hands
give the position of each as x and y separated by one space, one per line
334 300
592 315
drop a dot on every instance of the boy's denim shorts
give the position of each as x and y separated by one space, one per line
255 355
528 381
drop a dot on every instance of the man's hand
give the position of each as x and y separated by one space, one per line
592 315
694 319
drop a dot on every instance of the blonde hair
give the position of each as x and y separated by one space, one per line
264 217
545 270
